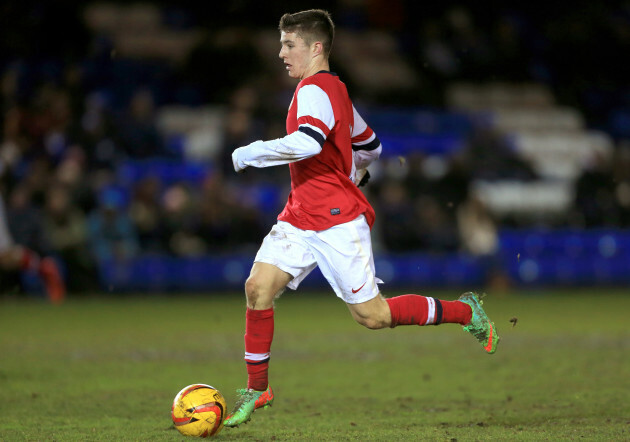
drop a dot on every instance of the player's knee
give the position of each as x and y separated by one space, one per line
252 289
373 321
373 314
258 295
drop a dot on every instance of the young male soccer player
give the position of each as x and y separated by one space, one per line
327 219
16 257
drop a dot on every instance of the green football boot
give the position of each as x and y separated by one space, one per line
480 325
248 401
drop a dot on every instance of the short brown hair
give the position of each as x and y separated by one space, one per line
311 25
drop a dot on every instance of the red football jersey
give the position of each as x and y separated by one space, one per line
323 193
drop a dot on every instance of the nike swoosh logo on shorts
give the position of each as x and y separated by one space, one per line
354 291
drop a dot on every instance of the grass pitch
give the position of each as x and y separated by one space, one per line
107 368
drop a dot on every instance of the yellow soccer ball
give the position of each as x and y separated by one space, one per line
199 410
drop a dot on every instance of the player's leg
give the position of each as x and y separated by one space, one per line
421 310
281 261
265 282
50 275
410 309
16 257
414 309
344 255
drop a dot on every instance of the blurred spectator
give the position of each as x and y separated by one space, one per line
36 176
98 133
217 213
434 226
14 142
244 124
112 235
74 174
479 235
227 49
146 214
396 217
490 157
9 81
181 218
17 257
55 120
136 127
595 195
621 179
25 221
226 222
477 228
416 179
471 45
238 132
451 186
66 226
436 53
511 58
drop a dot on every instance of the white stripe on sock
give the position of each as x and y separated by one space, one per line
431 312
257 356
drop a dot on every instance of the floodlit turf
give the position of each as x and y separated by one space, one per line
108 368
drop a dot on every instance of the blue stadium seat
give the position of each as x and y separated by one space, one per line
169 171
568 257
430 144
421 120
430 131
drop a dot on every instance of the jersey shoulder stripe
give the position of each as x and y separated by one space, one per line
315 124
369 144
313 134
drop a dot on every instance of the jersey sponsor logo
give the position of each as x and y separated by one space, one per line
354 291
335 211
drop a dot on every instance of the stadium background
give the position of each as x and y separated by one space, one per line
506 139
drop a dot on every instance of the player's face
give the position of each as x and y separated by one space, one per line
295 54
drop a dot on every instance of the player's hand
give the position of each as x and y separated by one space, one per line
362 177
239 166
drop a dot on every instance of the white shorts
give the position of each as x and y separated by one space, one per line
342 252
5 237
